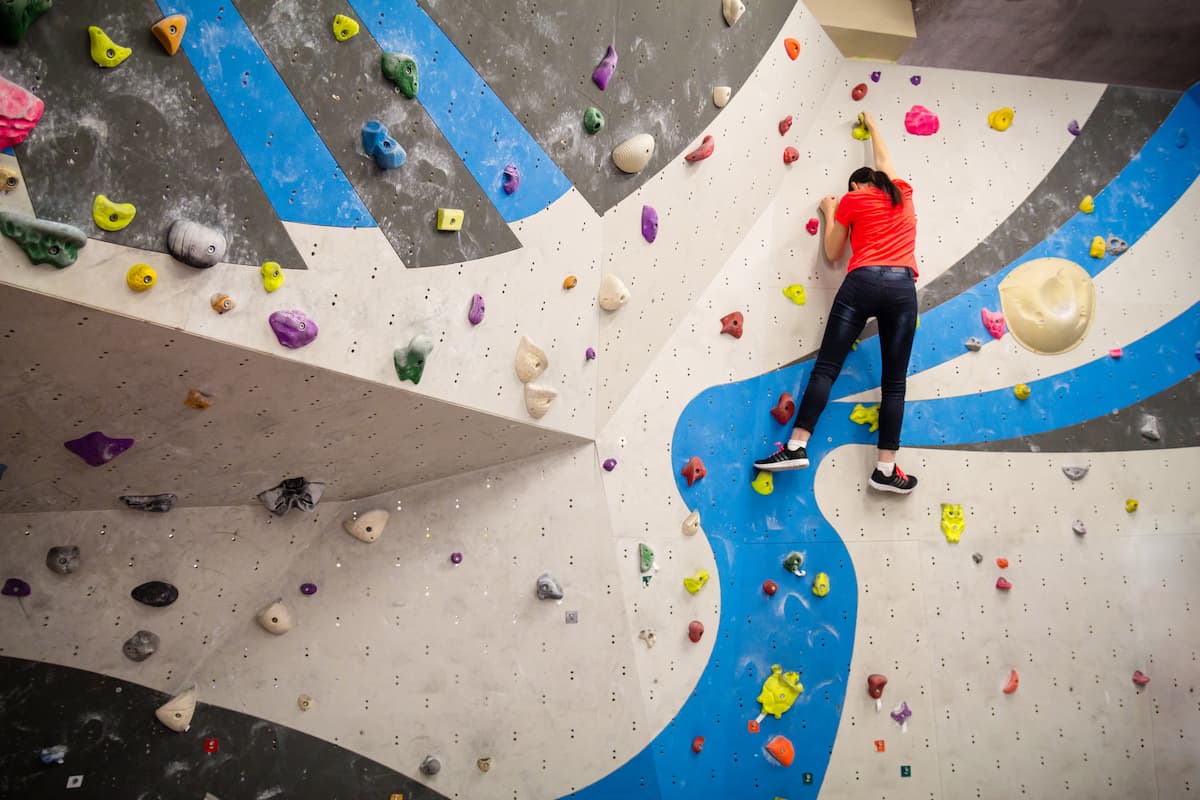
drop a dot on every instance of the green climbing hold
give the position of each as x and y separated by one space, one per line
593 120
43 241
410 361
401 70
17 15
647 557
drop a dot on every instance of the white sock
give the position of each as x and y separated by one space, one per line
886 467
796 444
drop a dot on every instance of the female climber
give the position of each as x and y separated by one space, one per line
877 217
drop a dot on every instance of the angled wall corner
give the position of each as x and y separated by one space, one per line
874 29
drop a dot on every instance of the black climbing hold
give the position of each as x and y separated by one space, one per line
64 559
159 503
155 593
292 493
15 587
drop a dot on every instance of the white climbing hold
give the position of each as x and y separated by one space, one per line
1149 428
276 618
633 154
721 95
538 399
531 360
732 11
177 712
613 293
691 525
367 527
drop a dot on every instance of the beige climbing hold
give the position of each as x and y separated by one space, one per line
633 154
367 527
732 10
276 618
691 524
177 712
1048 304
613 293
304 702
9 179
721 95
531 360
538 399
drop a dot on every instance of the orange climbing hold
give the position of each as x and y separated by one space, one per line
732 324
169 32
780 748
1002 563
694 470
1014 680
703 151
793 47
570 281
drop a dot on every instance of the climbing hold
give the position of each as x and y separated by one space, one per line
155 503
609 464
920 121
96 449
1140 678
1181 138
456 558
1003 584
649 637
590 354
790 155
795 293
953 522
308 589
792 47
875 684
603 72
613 293
15 587
901 714
731 323
430 765
785 124
53 755
860 131
779 691
793 562
1088 204
697 744
763 483
141 277
1073 127
721 95
858 92
155 593
570 282
593 120
511 178
197 399
194 244
1149 428
1022 391
1116 245
1002 563
915 80
695 630
476 311
820 585
1048 304
649 223
16 16
293 328
633 154
696 582
784 409
703 151
694 470
780 751
1079 528
368 526
222 303
63 559
344 28
292 493
410 360
169 32
1131 505
812 226
450 219
531 360
973 344
275 618
866 415
538 399
484 764
732 10
140 646
304 702
1097 248
379 145
111 216
401 70
645 557
44 242
770 587
177 712
1000 119
272 275
875 76
994 322
548 588
977 558
9 178
1014 680
691 524
106 52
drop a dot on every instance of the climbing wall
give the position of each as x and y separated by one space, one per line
431 643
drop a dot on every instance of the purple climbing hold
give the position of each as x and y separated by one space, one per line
308 588
605 69
902 713
97 449
915 80
609 464
15 587
456 558
475 315
1181 138
1073 127
293 328
512 179
875 76
649 223
590 353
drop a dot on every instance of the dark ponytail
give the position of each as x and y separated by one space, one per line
879 180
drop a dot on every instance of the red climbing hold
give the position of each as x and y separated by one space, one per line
697 744
875 684
1003 584
790 155
785 124
770 587
781 750
793 48
695 630
211 745
1014 680
694 470
703 151
812 226
859 92
784 409
732 324
1140 678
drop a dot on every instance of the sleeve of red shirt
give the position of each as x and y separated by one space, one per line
845 209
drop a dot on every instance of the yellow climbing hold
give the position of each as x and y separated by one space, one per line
866 415
779 691
272 276
344 28
450 219
953 522
795 293
696 582
1087 205
141 277
1131 505
763 483
821 584
1000 119
860 130
111 216
106 52
1022 391
1098 248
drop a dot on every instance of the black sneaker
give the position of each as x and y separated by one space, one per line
897 482
783 459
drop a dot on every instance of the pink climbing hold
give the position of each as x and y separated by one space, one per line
1003 584
694 470
1115 353
785 124
994 322
605 69
1140 678
703 151
812 226
790 155
920 121
784 409
20 111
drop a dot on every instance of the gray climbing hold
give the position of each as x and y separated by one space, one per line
1075 473
292 493
430 765
63 559
973 344
1079 528
1116 245
1149 428
548 588
158 503
194 244
977 558
155 593
140 646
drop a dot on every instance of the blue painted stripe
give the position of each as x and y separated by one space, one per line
8 151
297 172
473 119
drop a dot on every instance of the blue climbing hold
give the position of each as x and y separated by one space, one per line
378 144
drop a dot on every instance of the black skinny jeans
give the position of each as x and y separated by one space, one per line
889 295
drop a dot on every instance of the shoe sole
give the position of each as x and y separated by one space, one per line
886 487
783 466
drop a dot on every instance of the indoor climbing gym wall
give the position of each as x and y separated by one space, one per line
383 381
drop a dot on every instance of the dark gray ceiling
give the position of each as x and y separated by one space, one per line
1153 43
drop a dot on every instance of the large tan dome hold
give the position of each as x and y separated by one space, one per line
1049 304
633 154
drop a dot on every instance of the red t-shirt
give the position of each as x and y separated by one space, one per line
881 235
